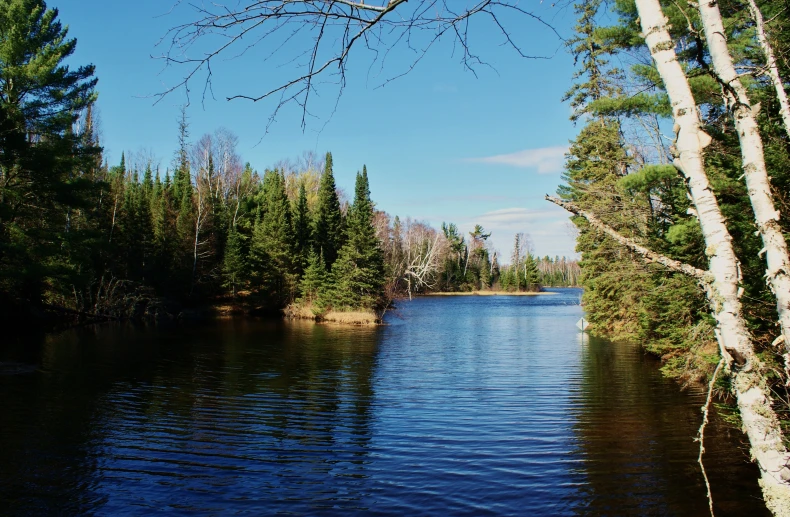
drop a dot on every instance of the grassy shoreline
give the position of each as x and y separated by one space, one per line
358 318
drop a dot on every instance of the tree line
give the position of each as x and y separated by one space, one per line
129 240
423 259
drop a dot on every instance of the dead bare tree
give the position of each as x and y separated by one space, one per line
424 249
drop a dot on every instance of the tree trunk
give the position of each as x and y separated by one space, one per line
759 420
770 62
754 169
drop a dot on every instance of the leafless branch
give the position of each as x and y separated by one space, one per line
318 36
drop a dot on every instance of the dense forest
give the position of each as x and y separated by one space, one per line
86 240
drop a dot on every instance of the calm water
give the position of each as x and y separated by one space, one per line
461 406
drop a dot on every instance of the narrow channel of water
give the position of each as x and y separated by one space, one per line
460 406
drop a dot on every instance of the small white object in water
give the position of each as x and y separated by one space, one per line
582 324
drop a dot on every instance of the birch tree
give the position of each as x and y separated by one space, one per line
754 169
771 66
423 251
723 276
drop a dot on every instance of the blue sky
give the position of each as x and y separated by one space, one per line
440 143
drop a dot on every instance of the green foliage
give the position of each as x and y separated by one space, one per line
49 174
594 78
271 253
630 185
531 274
358 274
301 231
328 223
627 106
235 263
315 279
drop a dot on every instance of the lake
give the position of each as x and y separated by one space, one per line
459 406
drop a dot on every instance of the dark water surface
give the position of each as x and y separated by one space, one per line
461 406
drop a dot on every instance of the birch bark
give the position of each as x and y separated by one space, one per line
770 62
759 420
754 169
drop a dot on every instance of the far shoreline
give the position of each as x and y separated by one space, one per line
489 293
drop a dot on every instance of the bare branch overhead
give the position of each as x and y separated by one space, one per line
317 37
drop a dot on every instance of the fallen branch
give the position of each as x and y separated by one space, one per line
649 255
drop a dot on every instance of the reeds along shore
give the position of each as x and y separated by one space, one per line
307 312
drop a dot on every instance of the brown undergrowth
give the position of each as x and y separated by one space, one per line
309 311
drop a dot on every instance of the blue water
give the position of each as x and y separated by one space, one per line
459 406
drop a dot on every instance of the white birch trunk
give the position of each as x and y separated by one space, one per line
198 224
754 169
689 143
114 211
770 62
759 420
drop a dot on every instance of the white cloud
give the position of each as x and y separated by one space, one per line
519 217
546 160
549 230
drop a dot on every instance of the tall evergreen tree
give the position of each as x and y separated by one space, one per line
358 274
235 261
301 224
328 224
314 281
531 273
271 251
41 159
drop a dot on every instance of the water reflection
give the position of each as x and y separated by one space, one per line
264 408
635 434
467 406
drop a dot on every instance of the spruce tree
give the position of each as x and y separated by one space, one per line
328 225
314 281
301 231
234 264
485 270
531 273
271 251
358 274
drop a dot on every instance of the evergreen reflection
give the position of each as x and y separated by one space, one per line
274 412
635 433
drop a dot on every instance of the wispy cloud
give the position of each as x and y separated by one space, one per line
548 229
471 198
546 160
519 216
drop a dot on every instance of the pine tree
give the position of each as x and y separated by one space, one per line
271 252
301 231
42 157
235 261
531 273
358 274
515 262
595 79
485 270
328 225
314 281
